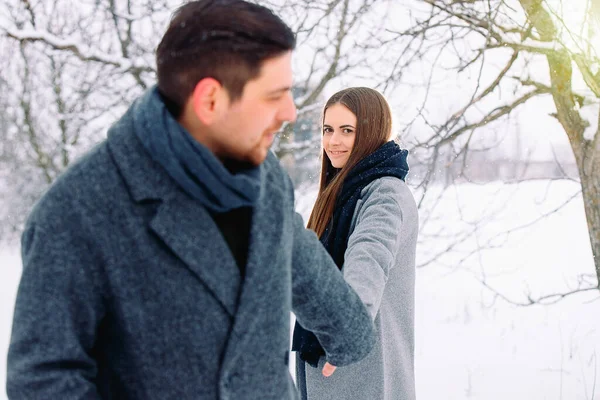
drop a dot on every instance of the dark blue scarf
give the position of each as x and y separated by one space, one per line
388 160
195 168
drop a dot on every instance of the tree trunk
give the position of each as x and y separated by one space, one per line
588 163
587 152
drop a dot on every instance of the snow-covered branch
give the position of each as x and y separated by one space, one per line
81 51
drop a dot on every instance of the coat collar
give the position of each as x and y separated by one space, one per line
145 178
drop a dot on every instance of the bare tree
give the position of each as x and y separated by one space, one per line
72 71
76 66
505 42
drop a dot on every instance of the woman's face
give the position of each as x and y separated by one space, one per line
339 132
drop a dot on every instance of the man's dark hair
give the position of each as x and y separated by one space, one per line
227 40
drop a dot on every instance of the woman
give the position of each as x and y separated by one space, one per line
366 217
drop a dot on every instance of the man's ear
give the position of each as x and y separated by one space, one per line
209 100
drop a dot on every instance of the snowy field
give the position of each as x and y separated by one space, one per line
472 344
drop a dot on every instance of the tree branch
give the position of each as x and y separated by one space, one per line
494 115
74 48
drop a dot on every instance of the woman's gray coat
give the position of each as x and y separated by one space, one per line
380 266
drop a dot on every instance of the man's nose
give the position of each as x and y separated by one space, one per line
288 111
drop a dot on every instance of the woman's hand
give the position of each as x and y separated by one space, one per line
328 370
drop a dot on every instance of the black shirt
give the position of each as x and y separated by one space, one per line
235 228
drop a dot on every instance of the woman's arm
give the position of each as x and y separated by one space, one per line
385 217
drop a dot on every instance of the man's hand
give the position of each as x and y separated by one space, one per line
328 370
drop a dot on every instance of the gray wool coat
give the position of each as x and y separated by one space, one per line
380 266
129 290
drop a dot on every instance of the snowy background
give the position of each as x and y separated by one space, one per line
471 344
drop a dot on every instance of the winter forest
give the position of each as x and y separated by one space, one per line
497 101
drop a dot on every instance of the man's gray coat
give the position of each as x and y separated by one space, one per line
129 290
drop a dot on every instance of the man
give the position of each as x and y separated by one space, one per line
165 263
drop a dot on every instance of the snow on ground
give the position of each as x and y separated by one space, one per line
469 343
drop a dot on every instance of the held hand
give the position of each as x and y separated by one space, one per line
328 370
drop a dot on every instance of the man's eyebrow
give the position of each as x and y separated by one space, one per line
280 90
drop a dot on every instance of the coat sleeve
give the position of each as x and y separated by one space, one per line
383 220
325 304
57 311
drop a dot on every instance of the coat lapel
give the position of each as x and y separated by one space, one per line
181 223
263 271
190 232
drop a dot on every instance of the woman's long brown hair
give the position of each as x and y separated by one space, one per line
374 129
